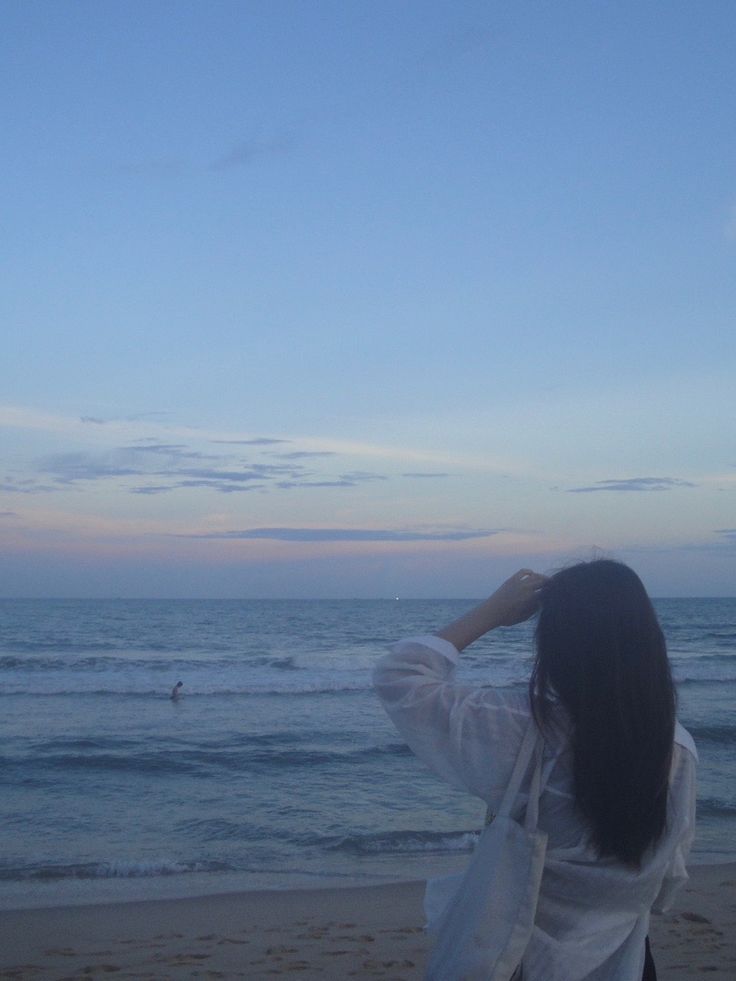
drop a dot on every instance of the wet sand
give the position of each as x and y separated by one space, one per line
327 934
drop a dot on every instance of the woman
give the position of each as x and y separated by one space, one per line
618 775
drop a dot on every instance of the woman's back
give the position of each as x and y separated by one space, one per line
593 912
602 657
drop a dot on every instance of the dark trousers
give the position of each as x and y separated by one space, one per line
650 971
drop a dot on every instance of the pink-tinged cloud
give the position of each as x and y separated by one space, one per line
633 484
344 535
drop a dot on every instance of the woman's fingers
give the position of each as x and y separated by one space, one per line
530 578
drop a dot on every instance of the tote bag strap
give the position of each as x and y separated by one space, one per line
530 743
532 805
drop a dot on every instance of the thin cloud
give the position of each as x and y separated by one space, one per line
9 514
171 461
222 486
634 484
358 476
343 480
149 466
68 468
729 533
423 476
304 454
92 419
258 441
255 472
344 535
245 153
174 451
299 484
10 486
153 489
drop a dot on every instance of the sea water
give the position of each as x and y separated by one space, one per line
277 767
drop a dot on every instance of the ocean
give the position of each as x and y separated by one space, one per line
277 768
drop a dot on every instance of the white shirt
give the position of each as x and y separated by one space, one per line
593 913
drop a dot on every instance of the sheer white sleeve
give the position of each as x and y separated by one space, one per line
470 736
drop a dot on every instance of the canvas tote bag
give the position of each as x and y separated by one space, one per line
482 919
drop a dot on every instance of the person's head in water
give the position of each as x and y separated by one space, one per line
600 652
176 690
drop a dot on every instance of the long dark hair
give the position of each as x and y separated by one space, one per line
601 653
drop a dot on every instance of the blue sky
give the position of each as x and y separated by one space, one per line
366 299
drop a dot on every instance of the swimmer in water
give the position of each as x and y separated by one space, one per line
176 691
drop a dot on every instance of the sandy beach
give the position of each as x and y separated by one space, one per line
366 932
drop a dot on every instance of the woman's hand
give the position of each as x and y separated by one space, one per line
517 599
513 602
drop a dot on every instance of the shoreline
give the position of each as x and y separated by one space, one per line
167 889
316 933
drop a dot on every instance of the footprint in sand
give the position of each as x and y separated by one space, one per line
400 930
373 967
694 918
182 959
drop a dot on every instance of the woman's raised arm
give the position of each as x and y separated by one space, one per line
513 602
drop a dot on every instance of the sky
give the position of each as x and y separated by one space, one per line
365 299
